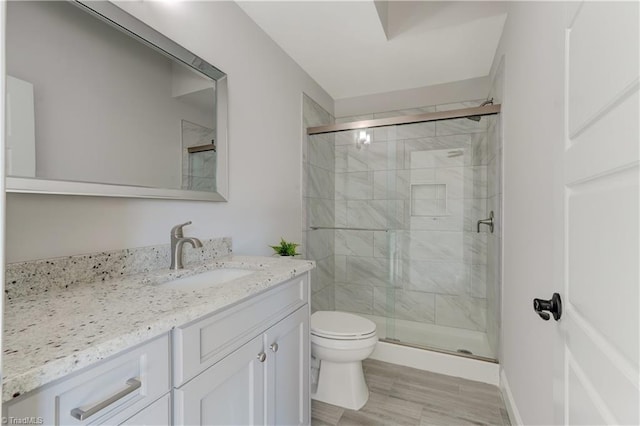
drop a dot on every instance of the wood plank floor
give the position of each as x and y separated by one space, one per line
406 396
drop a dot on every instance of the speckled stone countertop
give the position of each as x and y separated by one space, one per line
51 334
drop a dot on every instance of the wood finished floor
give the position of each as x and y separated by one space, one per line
406 396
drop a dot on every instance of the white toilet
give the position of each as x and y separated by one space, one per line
341 341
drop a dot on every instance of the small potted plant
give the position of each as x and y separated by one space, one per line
285 248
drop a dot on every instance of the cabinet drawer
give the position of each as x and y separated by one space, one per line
119 387
158 413
201 344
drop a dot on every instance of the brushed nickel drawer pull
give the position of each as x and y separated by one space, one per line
132 385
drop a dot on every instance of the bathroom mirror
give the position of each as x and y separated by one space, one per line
99 103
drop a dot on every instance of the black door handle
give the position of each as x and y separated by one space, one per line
553 305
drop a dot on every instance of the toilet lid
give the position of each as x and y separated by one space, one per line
340 324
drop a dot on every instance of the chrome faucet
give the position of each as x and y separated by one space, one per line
177 241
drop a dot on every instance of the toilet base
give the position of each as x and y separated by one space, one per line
342 384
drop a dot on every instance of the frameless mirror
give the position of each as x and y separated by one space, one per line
99 103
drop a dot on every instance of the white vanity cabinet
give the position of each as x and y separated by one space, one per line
110 392
265 381
261 378
245 364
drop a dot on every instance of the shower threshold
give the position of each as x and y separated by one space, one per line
457 352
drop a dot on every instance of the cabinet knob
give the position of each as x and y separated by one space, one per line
262 357
274 347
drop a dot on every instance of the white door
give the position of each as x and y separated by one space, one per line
598 334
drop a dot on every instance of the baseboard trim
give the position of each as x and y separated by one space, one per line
512 408
451 365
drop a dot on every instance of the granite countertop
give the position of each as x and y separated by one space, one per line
52 334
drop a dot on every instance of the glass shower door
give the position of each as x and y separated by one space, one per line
440 263
393 226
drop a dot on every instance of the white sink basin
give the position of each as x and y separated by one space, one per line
207 279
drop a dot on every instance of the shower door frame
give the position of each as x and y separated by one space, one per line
400 120
407 119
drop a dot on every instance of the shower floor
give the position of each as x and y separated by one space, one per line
433 336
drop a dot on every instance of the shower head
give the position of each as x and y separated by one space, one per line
477 118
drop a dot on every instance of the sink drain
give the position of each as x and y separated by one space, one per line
464 351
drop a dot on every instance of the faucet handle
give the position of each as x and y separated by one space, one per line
176 231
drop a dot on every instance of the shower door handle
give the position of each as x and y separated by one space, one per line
553 305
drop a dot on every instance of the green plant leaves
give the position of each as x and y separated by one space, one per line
286 248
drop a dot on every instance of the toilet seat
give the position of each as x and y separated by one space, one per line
343 337
341 326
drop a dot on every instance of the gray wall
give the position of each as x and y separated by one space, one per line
103 103
532 48
265 130
319 205
457 91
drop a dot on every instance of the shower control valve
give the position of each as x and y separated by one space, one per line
488 222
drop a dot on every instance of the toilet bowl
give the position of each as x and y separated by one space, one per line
341 341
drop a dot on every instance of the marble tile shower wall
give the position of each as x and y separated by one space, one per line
198 169
318 205
427 184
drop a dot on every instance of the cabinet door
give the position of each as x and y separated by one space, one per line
231 392
287 348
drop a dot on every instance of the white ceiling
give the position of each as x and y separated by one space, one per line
354 48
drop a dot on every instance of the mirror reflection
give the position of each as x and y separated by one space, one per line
86 102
